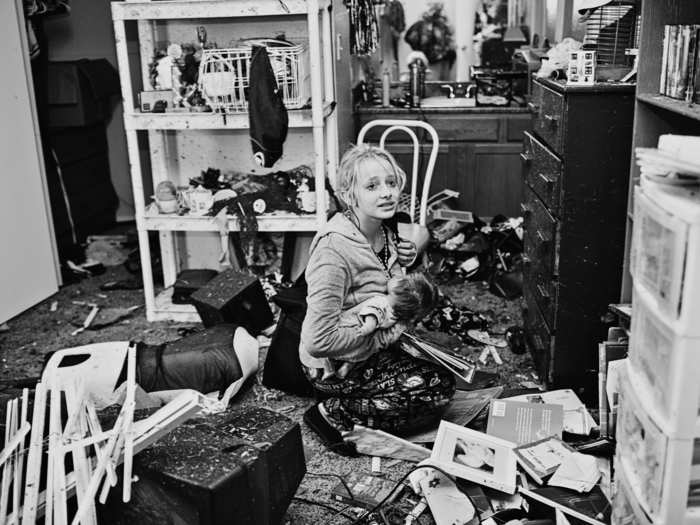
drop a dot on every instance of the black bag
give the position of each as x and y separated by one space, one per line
283 369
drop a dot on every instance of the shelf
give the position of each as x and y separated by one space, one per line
673 105
278 222
298 118
165 310
174 9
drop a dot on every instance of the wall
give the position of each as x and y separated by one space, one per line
87 32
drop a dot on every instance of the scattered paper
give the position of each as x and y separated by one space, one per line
577 472
378 443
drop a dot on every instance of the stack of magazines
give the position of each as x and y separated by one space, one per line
679 62
452 360
676 160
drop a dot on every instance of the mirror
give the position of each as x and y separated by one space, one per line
480 32
453 35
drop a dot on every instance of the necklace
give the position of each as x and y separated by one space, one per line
383 254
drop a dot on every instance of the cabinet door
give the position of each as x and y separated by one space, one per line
490 179
28 266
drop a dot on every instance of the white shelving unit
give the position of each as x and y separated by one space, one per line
157 20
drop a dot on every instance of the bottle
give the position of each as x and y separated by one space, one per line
414 84
386 88
421 78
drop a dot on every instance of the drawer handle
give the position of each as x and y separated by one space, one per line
549 182
527 262
551 119
543 293
541 237
534 108
538 342
525 158
525 209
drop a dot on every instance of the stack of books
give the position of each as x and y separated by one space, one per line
679 62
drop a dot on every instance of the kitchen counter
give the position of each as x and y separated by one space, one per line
478 156
373 110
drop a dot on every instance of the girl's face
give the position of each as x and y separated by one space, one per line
377 191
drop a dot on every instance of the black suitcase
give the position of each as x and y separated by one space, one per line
235 468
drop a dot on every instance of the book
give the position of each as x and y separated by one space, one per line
463 408
364 490
577 419
684 44
451 360
540 459
521 422
664 60
607 351
593 508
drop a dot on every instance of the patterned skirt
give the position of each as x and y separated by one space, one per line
390 391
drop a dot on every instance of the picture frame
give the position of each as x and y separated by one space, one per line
475 456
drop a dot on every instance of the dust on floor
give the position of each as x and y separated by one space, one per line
44 328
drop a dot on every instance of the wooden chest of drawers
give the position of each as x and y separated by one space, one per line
575 168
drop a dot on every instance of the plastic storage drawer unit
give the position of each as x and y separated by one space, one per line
665 252
660 470
626 509
664 367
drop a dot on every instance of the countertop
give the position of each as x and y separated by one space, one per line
599 87
373 110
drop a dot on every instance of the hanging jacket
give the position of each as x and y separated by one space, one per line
266 111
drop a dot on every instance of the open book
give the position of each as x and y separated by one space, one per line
453 361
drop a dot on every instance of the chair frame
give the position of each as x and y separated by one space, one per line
406 125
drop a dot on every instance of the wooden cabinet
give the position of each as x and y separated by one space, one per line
576 163
479 154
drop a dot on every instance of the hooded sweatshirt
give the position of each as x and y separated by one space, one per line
343 271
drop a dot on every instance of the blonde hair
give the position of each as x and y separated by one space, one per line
351 164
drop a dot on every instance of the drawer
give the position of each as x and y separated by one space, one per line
548 119
470 128
540 268
542 171
543 292
539 336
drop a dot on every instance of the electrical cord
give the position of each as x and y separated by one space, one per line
400 482
329 508
331 475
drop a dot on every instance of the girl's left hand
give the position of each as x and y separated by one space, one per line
407 252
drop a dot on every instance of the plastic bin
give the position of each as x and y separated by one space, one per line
659 469
223 74
664 367
665 253
626 509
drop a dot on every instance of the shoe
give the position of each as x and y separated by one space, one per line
329 435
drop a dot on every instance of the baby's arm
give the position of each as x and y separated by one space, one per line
368 323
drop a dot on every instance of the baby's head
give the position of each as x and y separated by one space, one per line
357 161
412 296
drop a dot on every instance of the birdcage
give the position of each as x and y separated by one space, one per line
612 29
224 74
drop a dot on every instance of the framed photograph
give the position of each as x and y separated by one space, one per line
475 456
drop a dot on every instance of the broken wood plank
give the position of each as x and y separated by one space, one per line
31 484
